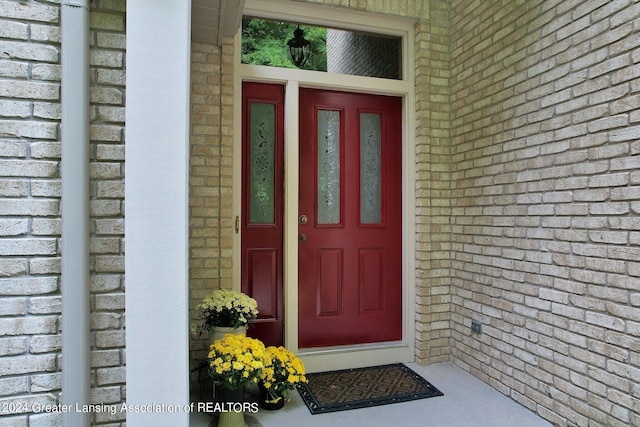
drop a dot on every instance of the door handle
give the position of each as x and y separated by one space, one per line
303 238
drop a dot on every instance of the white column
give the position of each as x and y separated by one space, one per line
156 162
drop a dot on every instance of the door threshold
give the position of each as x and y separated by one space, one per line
355 356
351 347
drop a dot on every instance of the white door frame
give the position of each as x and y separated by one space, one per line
345 356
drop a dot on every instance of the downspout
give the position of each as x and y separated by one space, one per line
75 211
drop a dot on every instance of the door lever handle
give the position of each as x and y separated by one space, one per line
303 238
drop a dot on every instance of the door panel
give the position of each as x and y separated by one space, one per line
371 280
350 247
329 282
262 206
262 281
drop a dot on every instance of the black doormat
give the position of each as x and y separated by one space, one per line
364 387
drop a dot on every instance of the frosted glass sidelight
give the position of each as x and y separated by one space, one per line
328 167
262 164
370 169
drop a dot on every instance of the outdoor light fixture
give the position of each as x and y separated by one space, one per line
299 48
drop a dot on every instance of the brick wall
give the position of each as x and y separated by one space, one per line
527 151
204 192
433 209
107 80
546 202
30 189
211 218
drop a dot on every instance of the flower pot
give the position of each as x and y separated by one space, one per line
231 399
218 332
232 419
226 395
270 403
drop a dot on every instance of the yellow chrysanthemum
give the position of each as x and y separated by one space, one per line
283 370
233 360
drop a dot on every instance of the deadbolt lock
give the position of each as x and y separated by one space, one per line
303 219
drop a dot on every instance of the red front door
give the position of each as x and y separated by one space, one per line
350 219
262 206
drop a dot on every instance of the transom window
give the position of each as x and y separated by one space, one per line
333 50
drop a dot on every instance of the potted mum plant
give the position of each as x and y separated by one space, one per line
282 372
225 311
234 362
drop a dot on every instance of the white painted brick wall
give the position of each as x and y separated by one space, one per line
553 102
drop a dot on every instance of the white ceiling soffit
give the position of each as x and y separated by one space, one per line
211 20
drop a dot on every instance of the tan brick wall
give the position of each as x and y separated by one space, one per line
211 218
433 191
546 204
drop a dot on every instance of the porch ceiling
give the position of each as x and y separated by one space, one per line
211 20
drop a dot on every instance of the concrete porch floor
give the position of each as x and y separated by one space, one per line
467 402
